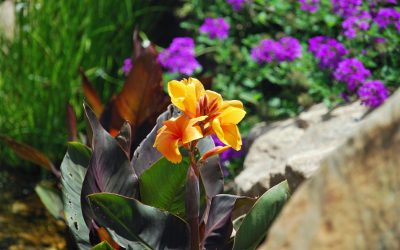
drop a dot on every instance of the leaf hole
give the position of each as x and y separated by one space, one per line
76 225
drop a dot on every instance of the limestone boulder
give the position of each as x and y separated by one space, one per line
353 200
293 149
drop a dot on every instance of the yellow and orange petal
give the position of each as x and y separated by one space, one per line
185 94
214 151
176 132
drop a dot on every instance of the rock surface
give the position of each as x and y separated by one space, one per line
294 148
352 202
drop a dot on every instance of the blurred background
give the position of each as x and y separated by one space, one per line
278 57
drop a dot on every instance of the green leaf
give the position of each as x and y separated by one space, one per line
256 223
144 226
103 246
163 186
51 199
73 170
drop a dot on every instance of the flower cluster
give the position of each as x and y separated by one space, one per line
215 28
386 17
126 68
179 57
373 93
327 50
236 4
346 8
352 72
268 50
355 23
309 5
204 113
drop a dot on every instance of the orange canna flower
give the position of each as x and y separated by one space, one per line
222 116
177 132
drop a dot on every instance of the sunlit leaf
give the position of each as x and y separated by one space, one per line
103 246
145 226
169 196
257 222
73 170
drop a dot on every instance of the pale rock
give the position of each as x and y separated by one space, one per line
353 200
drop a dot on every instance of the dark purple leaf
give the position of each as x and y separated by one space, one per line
124 138
109 168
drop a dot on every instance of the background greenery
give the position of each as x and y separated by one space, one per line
39 68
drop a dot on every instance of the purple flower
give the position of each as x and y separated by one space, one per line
346 8
355 23
379 40
289 50
373 93
215 28
352 72
265 51
327 50
179 57
309 5
268 50
236 4
126 68
386 17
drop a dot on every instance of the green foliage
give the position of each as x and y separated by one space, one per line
103 246
39 67
255 224
171 197
274 90
51 199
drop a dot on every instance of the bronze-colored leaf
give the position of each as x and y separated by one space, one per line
90 93
28 153
71 124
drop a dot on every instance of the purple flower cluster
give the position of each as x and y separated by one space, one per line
236 4
373 93
215 28
126 68
309 5
352 72
327 50
355 23
268 50
346 8
386 17
179 57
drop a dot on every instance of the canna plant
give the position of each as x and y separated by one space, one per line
168 194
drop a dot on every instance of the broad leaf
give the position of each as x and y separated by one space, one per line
90 93
257 222
109 168
145 155
218 228
51 199
124 138
163 186
28 153
73 170
142 97
103 246
145 226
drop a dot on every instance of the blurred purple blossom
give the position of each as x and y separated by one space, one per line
352 72
215 28
289 50
126 68
373 93
379 40
309 5
327 50
388 16
236 4
179 57
227 155
352 24
346 8
268 50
